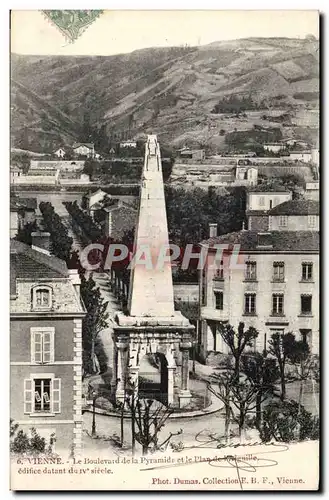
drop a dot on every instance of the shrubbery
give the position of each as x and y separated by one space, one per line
21 443
288 421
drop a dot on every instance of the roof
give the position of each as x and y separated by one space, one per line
280 241
29 203
89 145
31 264
266 188
14 168
296 207
119 204
300 152
22 203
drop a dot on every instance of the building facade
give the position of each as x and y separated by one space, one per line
295 215
259 203
274 289
45 344
84 149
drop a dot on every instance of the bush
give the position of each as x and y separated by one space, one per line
21 443
287 421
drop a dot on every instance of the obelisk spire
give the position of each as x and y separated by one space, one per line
151 288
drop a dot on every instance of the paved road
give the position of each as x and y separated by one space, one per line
108 426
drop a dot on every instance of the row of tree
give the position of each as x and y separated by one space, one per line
61 242
248 383
84 220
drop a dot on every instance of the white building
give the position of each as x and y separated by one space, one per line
274 289
128 144
312 191
295 215
274 147
304 156
60 153
260 202
84 149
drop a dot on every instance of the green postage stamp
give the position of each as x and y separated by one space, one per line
72 23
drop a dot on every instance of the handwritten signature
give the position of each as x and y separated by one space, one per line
210 441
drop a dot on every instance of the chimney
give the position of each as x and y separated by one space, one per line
41 242
212 230
75 280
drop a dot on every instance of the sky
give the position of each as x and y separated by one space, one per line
119 31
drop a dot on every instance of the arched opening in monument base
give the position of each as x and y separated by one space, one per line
153 377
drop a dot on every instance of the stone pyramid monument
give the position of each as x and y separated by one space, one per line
152 326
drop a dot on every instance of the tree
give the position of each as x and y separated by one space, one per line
243 396
282 346
150 417
263 372
223 393
303 363
93 323
237 342
61 242
24 234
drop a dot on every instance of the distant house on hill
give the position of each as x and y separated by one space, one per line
14 173
274 147
192 154
304 156
60 153
128 144
84 149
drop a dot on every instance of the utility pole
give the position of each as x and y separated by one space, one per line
93 427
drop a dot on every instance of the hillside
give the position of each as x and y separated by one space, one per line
178 93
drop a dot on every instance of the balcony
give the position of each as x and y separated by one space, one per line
215 314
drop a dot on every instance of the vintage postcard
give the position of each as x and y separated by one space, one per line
164 250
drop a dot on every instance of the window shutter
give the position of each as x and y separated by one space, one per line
36 347
28 400
56 395
48 347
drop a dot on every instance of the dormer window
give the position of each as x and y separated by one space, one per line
42 297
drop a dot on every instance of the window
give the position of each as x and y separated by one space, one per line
42 297
271 204
250 272
312 221
42 345
306 304
277 304
278 271
306 336
219 300
307 271
250 303
283 221
42 394
262 201
219 272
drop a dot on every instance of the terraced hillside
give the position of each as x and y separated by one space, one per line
174 92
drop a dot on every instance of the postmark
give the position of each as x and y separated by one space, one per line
72 23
